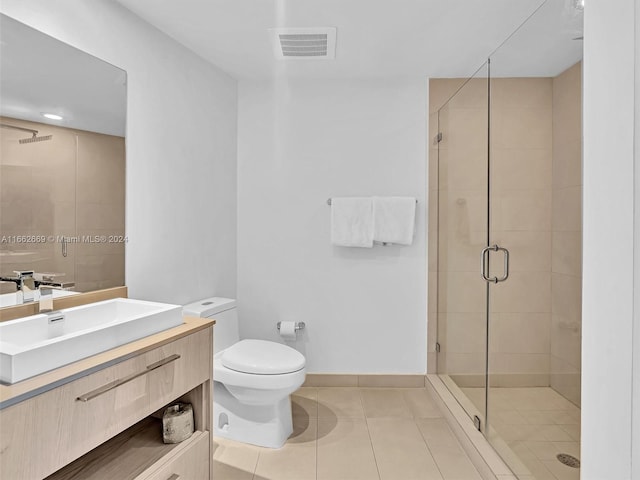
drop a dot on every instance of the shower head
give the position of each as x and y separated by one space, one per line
35 138
34 133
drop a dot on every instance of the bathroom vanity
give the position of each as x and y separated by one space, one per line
100 417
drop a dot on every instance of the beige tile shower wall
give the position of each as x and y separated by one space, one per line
101 211
566 257
40 185
521 184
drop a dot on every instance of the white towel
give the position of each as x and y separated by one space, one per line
352 222
394 219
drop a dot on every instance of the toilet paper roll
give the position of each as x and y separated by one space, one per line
177 423
288 330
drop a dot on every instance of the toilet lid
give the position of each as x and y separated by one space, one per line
262 357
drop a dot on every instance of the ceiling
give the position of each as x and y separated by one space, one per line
375 38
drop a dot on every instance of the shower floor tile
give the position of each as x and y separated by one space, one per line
537 424
354 433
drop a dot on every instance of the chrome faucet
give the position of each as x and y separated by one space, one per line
55 285
54 318
20 280
26 284
46 298
50 279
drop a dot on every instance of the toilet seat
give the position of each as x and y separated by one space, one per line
233 378
260 357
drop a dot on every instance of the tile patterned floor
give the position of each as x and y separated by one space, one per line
354 434
536 423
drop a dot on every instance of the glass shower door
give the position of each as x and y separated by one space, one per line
509 244
535 212
462 234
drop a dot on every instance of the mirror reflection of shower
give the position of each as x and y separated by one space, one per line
34 134
62 163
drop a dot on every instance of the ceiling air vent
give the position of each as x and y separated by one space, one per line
304 43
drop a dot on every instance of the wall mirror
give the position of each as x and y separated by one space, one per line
62 165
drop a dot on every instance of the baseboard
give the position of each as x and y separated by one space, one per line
366 380
502 380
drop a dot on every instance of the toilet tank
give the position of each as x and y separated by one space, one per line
223 311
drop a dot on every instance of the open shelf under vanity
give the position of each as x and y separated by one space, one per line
139 453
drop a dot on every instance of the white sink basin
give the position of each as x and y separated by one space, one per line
33 345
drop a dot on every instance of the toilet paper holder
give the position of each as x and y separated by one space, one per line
298 326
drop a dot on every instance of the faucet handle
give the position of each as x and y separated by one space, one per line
24 273
56 285
46 286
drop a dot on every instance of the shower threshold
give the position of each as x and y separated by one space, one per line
483 456
522 444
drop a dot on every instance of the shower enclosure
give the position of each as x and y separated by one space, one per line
506 154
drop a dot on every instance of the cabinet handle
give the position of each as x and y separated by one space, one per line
175 476
116 383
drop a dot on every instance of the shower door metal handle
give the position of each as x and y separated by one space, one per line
506 263
483 264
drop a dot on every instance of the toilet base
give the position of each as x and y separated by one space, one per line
262 425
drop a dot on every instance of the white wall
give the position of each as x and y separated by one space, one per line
181 148
299 144
608 412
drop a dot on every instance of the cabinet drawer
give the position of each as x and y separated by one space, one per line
191 463
46 432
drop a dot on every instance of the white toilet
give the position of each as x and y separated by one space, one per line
252 379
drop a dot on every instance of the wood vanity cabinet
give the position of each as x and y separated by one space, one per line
106 423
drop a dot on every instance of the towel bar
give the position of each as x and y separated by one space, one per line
329 201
